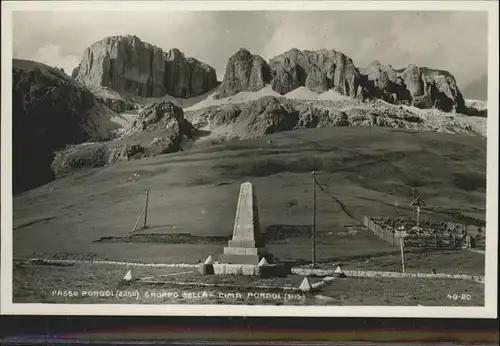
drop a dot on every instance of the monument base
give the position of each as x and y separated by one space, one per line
242 255
272 270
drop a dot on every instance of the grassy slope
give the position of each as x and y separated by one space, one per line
196 191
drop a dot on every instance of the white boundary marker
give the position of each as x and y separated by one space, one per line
297 271
488 311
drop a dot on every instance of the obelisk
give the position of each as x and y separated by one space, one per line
246 245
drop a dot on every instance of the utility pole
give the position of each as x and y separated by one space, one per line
402 244
413 196
146 209
314 221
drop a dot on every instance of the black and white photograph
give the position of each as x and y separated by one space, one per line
282 157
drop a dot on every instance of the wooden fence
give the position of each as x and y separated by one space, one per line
436 240
385 234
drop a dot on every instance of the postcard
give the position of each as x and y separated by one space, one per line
250 158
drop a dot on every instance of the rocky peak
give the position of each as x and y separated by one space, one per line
318 70
242 53
136 68
414 80
322 70
244 71
175 54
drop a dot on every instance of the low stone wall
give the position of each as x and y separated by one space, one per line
374 274
313 272
364 273
129 264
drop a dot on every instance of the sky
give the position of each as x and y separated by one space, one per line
453 41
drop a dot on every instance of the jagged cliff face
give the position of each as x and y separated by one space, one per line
244 71
418 86
49 111
127 64
324 70
317 70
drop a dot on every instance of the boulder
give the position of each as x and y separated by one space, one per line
162 116
268 115
124 152
340 119
115 104
223 115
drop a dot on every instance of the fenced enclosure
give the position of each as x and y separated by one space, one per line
428 234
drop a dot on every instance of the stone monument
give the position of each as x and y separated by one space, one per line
246 245
246 253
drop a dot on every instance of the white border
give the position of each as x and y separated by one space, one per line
488 311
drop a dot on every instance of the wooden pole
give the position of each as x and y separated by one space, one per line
139 219
146 210
314 221
413 198
418 216
401 242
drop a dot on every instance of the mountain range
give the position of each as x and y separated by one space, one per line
128 99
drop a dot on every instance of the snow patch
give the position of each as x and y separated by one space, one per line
476 104
241 97
332 95
302 93
180 102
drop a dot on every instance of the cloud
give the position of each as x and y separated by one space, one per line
454 41
51 55
433 39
